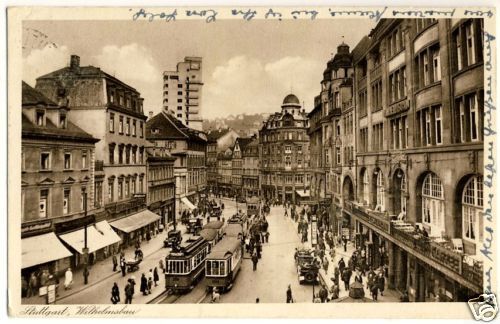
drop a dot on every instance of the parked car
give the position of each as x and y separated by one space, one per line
174 237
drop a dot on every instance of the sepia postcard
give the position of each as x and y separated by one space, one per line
262 162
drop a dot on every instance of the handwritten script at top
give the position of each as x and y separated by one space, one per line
248 14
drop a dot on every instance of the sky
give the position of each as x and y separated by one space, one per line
248 67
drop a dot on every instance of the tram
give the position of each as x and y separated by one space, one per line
223 263
210 235
253 206
235 230
186 264
218 226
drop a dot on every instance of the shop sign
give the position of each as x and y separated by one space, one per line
51 294
74 224
31 229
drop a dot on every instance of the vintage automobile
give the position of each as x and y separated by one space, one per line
307 268
194 225
174 237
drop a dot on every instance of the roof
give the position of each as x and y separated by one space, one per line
214 135
361 48
225 247
291 99
244 141
234 229
169 127
32 97
208 234
213 225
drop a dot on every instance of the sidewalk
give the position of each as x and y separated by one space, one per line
390 295
102 272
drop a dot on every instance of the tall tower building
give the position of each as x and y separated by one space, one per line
182 91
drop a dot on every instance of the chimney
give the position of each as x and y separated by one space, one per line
74 62
150 114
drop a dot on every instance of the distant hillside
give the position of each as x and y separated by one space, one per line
244 124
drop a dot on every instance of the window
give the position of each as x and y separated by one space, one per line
111 123
363 140
83 201
472 208
380 201
133 128
43 203
338 155
377 95
120 125
403 192
132 190
436 65
111 154
424 23
427 117
127 187
366 188
127 127
120 189
97 193
110 190
468 43
84 160
469 36
425 58
438 124
120 154
363 103
458 43
66 203
45 161
468 115
141 180
63 121
397 84
40 118
67 161
433 204
377 137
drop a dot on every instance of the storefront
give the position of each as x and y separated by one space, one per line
43 255
102 242
137 226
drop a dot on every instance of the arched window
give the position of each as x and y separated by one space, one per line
472 208
403 192
433 204
366 188
380 192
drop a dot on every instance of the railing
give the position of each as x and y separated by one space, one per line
99 165
469 269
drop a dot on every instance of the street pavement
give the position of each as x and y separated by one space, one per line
275 270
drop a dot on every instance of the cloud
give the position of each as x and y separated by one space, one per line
42 61
129 63
246 85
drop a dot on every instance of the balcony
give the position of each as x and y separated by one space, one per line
430 249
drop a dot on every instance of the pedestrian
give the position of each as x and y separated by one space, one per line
323 294
156 278
374 292
32 285
144 285
115 294
255 260
286 212
335 291
68 279
341 265
326 263
336 275
129 292
115 262
259 250
123 266
215 296
161 265
257 300
358 277
24 287
381 283
289 297
346 278
267 237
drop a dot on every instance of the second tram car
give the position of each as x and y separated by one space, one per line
223 263
185 266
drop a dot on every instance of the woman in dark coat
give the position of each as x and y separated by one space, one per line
381 283
156 278
144 284
115 294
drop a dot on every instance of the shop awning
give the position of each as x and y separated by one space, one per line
41 249
99 235
188 203
131 223
302 193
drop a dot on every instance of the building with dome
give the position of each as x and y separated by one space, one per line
284 155
331 133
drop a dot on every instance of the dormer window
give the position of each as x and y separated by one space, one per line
40 118
63 123
155 131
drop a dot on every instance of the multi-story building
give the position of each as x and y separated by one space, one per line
419 108
237 165
182 92
112 111
284 168
224 170
189 147
217 141
58 162
161 184
250 175
331 135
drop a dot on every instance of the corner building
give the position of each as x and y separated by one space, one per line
284 168
419 113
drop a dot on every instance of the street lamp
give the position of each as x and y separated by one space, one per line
85 247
